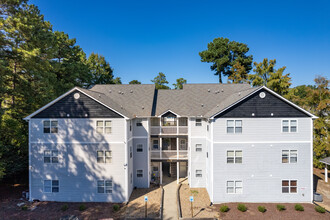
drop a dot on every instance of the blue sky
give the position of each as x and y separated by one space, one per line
142 38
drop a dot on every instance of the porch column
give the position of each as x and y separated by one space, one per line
160 147
177 148
177 172
326 172
161 172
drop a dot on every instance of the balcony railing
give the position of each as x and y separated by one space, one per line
169 154
169 130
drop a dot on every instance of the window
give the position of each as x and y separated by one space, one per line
199 173
103 127
130 152
289 126
51 186
234 126
51 156
198 122
50 126
183 145
234 156
104 156
139 148
104 186
131 178
289 186
199 148
139 173
139 122
155 144
234 187
207 128
289 156
130 125
183 121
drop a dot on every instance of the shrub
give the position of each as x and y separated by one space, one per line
82 208
116 207
64 207
241 207
224 208
280 207
299 207
319 209
262 209
24 207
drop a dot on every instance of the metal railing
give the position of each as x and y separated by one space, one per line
156 130
169 154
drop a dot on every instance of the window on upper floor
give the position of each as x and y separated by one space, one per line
130 125
199 173
234 126
234 156
51 186
183 144
51 156
104 156
234 187
131 178
198 122
139 148
138 122
50 126
139 173
155 144
130 152
103 127
104 186
289 186
289 126
199 148
289 156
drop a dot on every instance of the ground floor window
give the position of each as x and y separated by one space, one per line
289 186
51 186
234 187
104 186
199 173
139 173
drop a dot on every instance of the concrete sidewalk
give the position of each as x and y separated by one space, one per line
170 201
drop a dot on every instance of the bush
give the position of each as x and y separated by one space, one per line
24 207
262 209
299 207
241 207
116 207
280 207
224 208
82 208
64 207
319 209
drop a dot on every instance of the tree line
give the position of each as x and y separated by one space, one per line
37 64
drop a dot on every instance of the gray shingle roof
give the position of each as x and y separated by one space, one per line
325 160
193 100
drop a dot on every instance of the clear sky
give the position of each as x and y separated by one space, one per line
142 38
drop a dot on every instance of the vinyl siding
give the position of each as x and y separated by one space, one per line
141 163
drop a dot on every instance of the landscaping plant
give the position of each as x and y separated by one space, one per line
319 209
299 207
82 208
24 208
224 208
280 207
116 207
241 207
262 209
64 207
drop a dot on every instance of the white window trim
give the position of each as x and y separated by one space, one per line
198 174
234 133
131 152
51 157
201 122
201 147
289 161
50 126
103 132
51 186
137 173
104 186
137 148
104 157
289 186
234 187
139 120
289 119
234 157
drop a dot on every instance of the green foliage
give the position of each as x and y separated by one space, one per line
319 209
280 207
82 207
267 75
64 207
116 207
117 80
24 207
179 83
224 208
224 54
160 81
134 82
241 207
262 209
299 207
239 74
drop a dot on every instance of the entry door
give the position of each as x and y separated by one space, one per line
183 169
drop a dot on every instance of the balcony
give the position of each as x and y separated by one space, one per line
169 155
169 126
169 149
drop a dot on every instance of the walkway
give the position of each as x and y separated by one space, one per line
170 203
